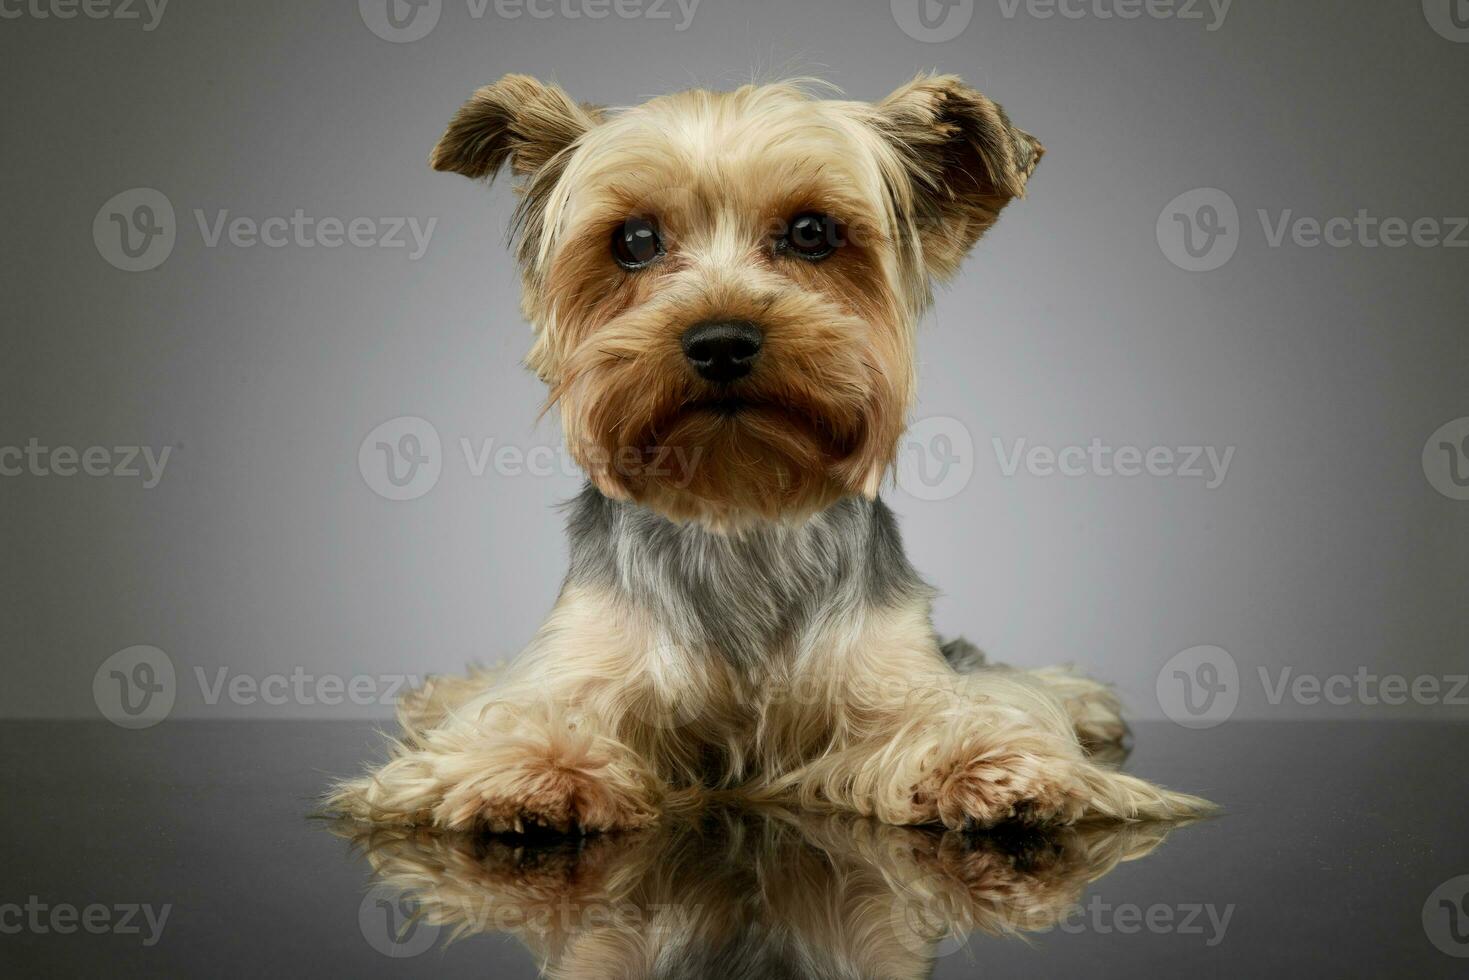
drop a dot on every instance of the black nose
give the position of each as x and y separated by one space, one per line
723 351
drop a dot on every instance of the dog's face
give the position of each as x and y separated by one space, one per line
725 286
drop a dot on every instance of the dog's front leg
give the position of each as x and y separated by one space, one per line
910 741
516 767
542 744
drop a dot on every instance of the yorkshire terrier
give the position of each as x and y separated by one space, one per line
733 280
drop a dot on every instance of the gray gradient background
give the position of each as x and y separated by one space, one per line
263 550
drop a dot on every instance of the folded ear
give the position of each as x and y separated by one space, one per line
518 119
964 161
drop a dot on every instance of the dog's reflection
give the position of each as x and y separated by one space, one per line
741 895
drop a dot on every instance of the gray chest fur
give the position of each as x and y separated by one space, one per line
744 595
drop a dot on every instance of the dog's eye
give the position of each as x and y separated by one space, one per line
635 243
813 236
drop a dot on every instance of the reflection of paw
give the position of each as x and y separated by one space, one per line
549 868
1001 787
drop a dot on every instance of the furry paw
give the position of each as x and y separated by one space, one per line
544 773
1003 787
565 783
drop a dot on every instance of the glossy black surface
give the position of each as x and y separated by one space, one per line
1329 861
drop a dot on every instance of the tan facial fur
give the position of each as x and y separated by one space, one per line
912 182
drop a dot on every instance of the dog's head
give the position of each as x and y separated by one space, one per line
724 285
